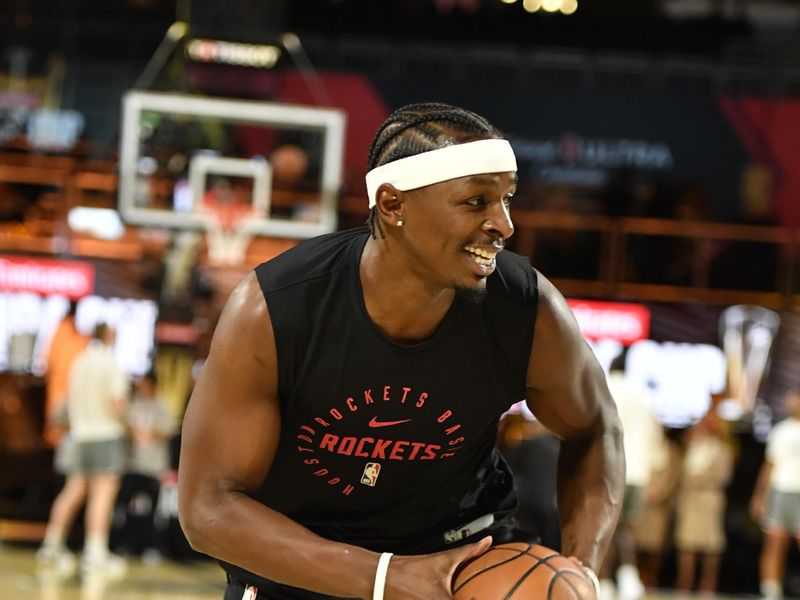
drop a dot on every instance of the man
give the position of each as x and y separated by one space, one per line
348 408
151 427
643 434
776 499
96 407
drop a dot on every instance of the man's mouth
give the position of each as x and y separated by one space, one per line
482 255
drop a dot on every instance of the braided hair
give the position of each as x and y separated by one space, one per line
418 128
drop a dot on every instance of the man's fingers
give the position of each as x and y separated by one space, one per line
480 547
589 573
470 551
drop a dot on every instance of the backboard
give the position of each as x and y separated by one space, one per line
183 157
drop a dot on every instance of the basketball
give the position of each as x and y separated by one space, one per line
520 571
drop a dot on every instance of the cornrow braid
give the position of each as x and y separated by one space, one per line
422 127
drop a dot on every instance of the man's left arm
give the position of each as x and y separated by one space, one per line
567 392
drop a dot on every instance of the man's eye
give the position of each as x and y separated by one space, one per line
507 200
479 201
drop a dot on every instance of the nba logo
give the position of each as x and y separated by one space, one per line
370 476
250 593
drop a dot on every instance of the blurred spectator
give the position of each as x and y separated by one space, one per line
671 259
66 345
151 427
532 453
563 251
749 265
642 437
700 514
96 407
652 534
776 499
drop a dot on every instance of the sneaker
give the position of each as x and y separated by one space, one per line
771 590
61 561
630 586
608 591
151 557
110 565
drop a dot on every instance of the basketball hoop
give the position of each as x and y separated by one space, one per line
228 236
228 233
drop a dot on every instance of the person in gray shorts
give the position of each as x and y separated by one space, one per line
96 407
776 499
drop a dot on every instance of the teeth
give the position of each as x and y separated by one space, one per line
480 252
483 257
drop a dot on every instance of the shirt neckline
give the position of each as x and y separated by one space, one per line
366 322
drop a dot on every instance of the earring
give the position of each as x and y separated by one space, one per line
399 222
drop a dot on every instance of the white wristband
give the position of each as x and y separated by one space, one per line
380 575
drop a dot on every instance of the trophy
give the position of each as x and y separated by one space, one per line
747 334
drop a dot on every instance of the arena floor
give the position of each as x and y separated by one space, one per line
21 579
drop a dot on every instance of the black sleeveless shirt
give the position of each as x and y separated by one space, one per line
384 445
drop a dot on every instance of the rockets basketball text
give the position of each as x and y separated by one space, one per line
323 436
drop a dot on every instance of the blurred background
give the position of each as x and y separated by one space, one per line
152 152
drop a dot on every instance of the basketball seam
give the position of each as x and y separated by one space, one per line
567 581
490 567
540 561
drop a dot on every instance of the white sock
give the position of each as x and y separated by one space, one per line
628 571
96 545
630 586
771 589
53 539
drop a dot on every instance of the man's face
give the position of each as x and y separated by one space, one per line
453 230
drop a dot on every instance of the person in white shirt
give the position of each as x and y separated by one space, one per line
776 499
642 438
96 407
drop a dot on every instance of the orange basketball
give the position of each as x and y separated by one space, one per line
521 571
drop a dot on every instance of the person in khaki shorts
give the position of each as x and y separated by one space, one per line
700 513
96 407
776 499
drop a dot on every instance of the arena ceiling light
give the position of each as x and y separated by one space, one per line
532 6
569 7
551 6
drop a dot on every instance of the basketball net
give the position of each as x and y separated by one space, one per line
227 234
227 240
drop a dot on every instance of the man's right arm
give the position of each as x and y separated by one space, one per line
230 435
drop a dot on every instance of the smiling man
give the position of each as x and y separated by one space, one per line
341 439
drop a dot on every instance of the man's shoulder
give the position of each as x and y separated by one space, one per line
311 259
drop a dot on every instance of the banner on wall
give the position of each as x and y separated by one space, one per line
69 278
624 322
680 376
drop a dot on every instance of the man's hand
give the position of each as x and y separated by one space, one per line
589 573
429 576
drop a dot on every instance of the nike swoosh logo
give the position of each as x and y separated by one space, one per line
375 423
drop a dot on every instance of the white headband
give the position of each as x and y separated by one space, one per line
460 160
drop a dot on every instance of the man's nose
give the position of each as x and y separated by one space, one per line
498 221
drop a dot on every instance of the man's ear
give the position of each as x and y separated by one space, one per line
389 203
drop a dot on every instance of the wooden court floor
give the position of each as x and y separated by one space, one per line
21 579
